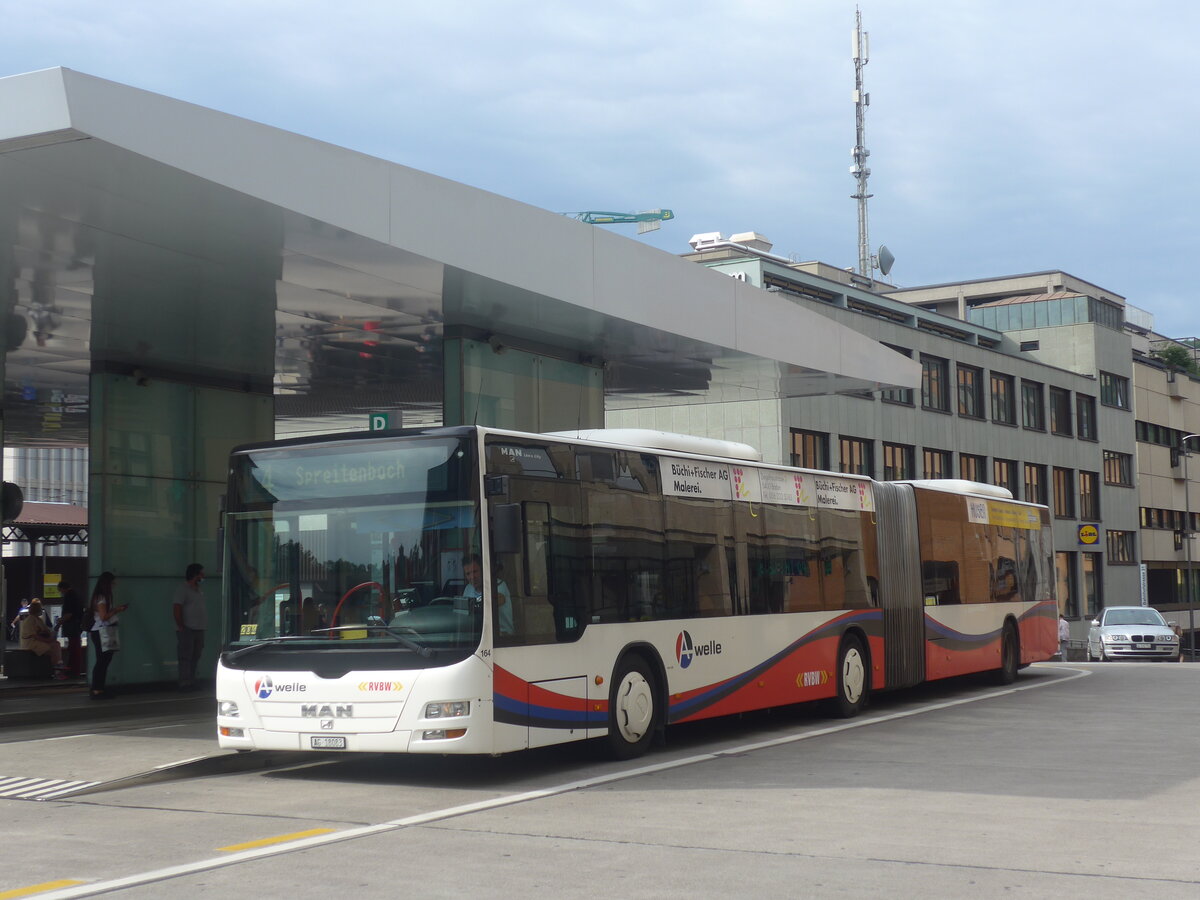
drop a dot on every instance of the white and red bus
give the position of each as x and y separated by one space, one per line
475 590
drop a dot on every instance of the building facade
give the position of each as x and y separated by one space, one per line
1044 410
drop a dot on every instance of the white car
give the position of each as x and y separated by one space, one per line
1131 632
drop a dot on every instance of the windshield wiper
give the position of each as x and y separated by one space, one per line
409 643
266 642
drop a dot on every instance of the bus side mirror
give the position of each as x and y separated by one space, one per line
506 528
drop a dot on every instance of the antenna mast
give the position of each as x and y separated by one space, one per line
861 52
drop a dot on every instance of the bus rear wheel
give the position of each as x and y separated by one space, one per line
852 683
632 708
1010 656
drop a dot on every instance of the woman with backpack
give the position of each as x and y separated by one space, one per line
103 632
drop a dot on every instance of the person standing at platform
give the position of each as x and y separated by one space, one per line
104 634
191 620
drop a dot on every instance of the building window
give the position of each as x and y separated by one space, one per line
1149 433
899 395
1091 582
1089 496
1004 407
1064 493
1060 412
937 464
1114 390
897 462
1033 406
935 387
810 449
1035 483
1068 590
972 467
1085 417
1118 468
1121 548
1030 345
855 454
970 392
1004 474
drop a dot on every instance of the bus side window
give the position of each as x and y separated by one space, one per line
537 545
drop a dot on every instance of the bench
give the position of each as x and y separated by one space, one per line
27 664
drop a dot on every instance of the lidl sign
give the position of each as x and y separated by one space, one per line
1089 534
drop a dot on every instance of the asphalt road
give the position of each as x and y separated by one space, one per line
1081 782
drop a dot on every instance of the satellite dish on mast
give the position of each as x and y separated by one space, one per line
886 259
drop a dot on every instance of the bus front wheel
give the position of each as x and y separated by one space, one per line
851 678
632 709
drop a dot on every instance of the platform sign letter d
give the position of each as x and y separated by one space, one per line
379 422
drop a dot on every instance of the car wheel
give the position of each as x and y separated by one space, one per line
1102 656
632 709
852 678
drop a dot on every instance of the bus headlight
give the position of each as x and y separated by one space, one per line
227 708
448 709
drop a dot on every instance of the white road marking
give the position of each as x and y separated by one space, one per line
183 762
39 788
350 834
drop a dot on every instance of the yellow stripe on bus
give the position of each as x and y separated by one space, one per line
39 888
282 839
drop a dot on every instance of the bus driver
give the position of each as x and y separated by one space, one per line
473 572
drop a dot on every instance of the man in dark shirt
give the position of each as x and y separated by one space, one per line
70 623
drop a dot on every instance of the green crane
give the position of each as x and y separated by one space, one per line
649 220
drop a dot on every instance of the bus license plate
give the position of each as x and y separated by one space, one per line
327 742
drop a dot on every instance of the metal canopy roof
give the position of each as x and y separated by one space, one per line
340 274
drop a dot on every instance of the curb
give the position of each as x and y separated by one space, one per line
89 710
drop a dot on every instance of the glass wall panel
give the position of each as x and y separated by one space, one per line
510 388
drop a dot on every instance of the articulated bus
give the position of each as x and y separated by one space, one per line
475 590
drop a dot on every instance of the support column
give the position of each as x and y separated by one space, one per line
183 339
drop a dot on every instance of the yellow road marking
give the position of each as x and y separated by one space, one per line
267 842
38 888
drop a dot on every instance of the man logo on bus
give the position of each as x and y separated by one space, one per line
263 687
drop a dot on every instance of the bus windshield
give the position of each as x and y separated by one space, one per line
354 545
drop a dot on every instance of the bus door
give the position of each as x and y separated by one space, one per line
540 572
900 584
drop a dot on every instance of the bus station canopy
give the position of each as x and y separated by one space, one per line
147 236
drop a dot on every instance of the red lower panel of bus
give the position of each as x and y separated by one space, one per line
802 671
949 652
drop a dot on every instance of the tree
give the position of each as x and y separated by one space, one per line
1179 358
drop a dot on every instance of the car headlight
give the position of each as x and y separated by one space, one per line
450 709
1114 637
1170 638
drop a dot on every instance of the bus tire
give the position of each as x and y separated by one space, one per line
632 708
852 678
1010 655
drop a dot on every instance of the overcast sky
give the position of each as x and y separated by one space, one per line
1007 136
